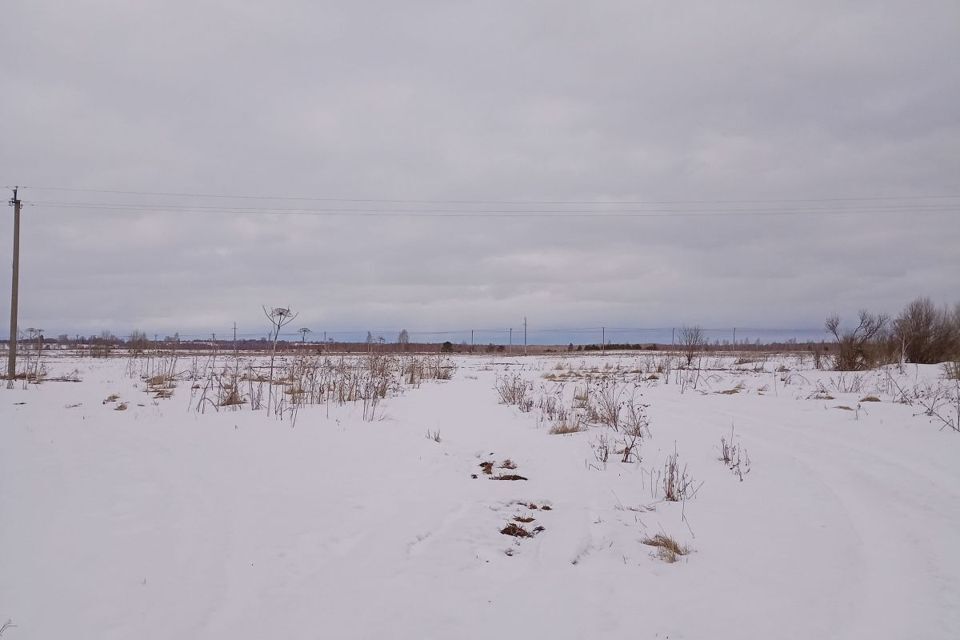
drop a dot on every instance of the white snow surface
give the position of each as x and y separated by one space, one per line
164 522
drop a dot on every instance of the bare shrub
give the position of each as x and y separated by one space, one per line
601 449
606 409
440 368
942 403
551 407
677 483
926 335
857 347
513 390
734 456
844 383
636 426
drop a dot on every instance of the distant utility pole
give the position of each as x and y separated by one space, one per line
471 337
524 335
510 344
234 339
603 340
14 291
734 337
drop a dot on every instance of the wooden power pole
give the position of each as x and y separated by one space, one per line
524 335
14 290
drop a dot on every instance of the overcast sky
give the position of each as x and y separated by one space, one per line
748 118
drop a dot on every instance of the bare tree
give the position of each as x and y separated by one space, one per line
303 334
138 341
927 335
403 338
692 341
854 346
279 317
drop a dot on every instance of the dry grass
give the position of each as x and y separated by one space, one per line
160 380
668 549
487 467
508 476
231 398
730 392
870 399
563 427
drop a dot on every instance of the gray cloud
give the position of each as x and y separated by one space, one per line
624 101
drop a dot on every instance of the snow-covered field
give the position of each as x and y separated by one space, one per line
164 521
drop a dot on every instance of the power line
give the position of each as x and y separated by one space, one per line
182 194
108 207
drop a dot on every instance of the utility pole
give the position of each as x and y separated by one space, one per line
14 291
524 335
603 340
734 337
471 339
510 345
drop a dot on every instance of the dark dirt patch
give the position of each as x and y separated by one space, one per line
515 530
508 476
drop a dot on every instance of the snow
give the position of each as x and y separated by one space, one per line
164 522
